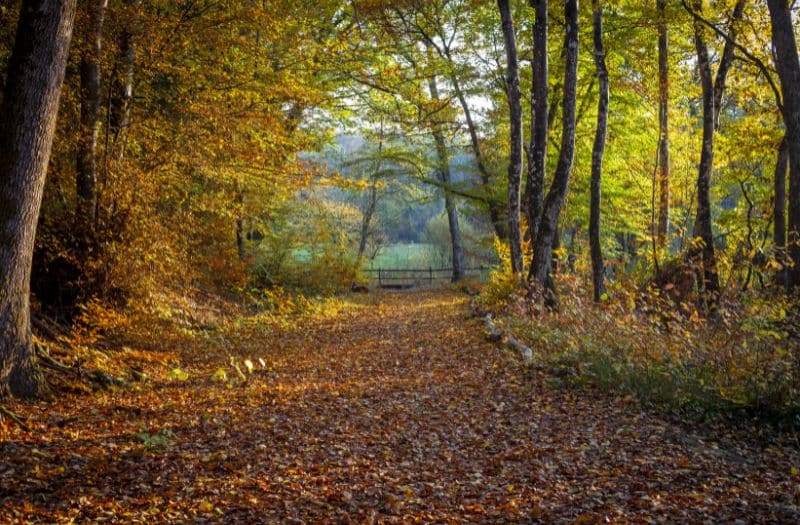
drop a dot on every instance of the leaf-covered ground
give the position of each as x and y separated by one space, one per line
393 409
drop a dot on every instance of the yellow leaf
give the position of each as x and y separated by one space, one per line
177 373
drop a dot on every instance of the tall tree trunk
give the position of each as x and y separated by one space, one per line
555 248
495 211
122 79
494 208
779 215
86 183
664 168
366 221
449 202
713 90
534 188
702 225
788 66
515 156
558 190
371 203
27 124
452 216
241 244
119 95
598 267
725 62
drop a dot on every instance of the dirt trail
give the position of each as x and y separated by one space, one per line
396 409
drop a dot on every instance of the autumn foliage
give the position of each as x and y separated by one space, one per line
587 213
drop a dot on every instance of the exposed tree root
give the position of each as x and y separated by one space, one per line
15 418
525 353
97 377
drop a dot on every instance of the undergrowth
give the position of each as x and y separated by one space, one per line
145 340
743 361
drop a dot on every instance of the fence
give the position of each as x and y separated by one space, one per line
401 278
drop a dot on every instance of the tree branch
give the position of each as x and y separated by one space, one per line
752 58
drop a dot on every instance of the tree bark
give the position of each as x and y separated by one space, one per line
449 201
726 60
713 90
494 208
788 66
534 189
779 215
241 244
122 79
86 182
495 211
366 221
515 155
371 203
702 225
558 189
27 124
664 168
598 267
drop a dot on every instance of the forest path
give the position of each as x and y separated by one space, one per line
393 409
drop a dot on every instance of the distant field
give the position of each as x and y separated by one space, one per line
404 256
399 256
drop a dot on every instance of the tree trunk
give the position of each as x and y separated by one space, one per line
366 220
726 60
788 66
371 203
122 79
495 211
779 215
713 90
452 220
558 189
86 182
598 267
449 202
664 168
702 226
241 244
27 124
515 155
555 248
534 189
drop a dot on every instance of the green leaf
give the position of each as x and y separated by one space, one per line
177 373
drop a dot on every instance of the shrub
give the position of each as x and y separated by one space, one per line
742 361
503 286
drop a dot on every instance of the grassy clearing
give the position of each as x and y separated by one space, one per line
411 255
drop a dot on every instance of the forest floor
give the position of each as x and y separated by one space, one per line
390 408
